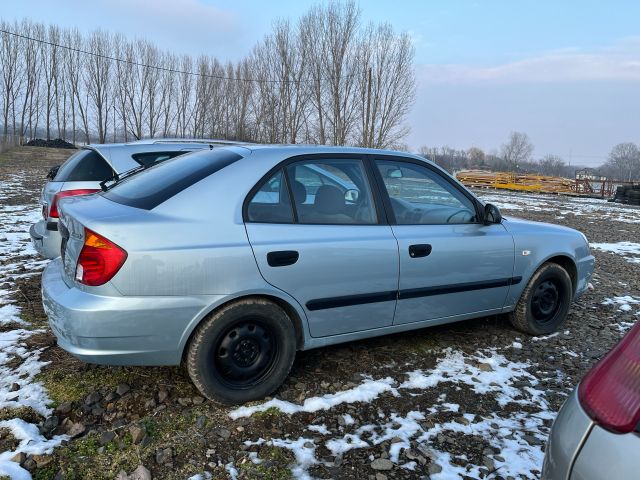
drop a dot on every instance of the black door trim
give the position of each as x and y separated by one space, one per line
350 300
361 299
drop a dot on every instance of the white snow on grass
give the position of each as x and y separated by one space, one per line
630 251
18 387
517 435
321 429
303 449
562 205
369 390
31 442
624 302
545 337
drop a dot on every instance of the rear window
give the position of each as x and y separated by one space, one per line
149 158
84 166
150 188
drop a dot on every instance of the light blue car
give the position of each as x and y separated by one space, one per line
233 259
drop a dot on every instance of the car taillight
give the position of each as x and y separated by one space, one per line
53 210
99 260
610 393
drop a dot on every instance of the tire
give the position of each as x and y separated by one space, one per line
242 352
545 302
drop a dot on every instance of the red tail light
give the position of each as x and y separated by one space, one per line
610 393
99 260
53 210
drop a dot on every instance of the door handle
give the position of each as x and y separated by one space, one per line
419 250
282 258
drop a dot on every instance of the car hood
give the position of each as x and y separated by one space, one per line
519 225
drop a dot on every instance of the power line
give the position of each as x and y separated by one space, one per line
137 64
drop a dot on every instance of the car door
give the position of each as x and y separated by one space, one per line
450 263
325 244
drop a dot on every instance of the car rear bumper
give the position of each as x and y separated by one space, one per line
570 429
117 330
45 241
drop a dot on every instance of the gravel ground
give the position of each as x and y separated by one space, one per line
469 400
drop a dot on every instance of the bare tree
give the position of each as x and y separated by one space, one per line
386 86
97 80
11 75
517 150
624 161
32 67
552 165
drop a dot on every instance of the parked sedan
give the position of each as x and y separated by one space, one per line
232 259
82 173
596 435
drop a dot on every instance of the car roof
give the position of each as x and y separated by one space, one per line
304 149
119 155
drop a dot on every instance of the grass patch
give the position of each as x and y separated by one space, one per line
70 384
84 458
268 413
27 414
274 466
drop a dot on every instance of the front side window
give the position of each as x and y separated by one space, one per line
419 196
332 191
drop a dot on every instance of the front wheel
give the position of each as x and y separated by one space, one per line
242 352
544 303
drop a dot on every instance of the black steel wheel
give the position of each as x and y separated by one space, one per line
245 353
242 352
545 301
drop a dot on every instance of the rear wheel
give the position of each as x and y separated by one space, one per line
242 352
544 303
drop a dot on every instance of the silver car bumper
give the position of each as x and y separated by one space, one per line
118 330
569 431
45 241
579 449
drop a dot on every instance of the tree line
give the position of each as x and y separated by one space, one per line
326 78
516 155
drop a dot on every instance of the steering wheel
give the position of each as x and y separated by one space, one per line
457 212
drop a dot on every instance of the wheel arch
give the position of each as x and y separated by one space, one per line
295 315
568 264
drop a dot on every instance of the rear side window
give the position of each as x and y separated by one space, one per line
150 188
271 204
84 166
149 158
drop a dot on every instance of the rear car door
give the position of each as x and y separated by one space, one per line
316 231
450 263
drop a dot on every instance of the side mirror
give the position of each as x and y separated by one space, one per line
491 214
352 195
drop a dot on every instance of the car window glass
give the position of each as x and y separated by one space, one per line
84 166
149 158
421 196
334 191
271 203
162 181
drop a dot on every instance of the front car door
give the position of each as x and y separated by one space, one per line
450 263
317 233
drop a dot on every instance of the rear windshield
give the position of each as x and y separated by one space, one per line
84 166
150 188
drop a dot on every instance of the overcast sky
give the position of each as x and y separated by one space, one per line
565 72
